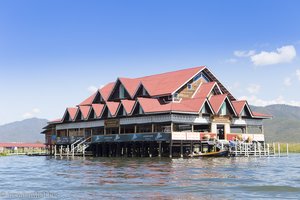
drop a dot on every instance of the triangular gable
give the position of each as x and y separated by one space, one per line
137 109
242 108
112 107
128 105
115 94
70 114
97 110
206 108
142 91
121 111
217 102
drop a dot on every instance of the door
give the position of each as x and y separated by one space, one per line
221 132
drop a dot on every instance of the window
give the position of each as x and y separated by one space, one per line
140 110
176 96
144 92
121 92
223 109
189 86
124 112
204 110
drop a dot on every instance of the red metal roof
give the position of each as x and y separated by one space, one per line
131 85
239 106
112 107
98 109
20 145
204 90
106 90
89 100
128 105
216 102
186 105
261 115
85 111
167 83
72 112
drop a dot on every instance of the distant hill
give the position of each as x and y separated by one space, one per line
285 125
23 131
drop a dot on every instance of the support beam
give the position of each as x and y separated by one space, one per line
159 149
171 149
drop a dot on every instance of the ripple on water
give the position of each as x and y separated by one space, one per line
129 178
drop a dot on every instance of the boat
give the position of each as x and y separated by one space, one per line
221 153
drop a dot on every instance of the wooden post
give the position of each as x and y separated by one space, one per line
152 128
287 149
55 151
135 128
255 149
159 149
192 127
119 129
278 149
274 152
171 148
181 149
265 149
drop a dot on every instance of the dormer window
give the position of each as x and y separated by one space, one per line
223 110
189 86
121 92
144 92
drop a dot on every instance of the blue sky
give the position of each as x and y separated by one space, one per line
53 52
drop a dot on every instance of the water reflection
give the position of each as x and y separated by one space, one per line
211 178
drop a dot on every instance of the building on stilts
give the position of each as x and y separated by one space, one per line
168 114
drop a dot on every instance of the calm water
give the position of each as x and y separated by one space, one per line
120 178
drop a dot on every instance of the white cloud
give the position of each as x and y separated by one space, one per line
284 54
92 89
254 100
253 88
298 73
31 113
244 53
287 81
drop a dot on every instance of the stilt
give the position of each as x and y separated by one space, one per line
274 152
159 149
181 149
287 149
278 149
171 148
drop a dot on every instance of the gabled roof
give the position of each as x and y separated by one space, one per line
98 109
204 90
131 85
240 105
72 112
112 107
170 82
128 105
85 110
216 101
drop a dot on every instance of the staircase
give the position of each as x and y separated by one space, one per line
78 148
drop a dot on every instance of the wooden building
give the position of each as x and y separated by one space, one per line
158 115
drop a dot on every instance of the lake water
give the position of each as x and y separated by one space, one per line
24 177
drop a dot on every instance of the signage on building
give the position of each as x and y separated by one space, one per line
186 136
132 137
112 123
221 119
